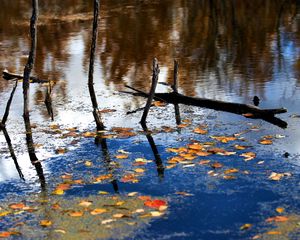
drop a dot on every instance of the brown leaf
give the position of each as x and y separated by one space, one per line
17 205
216 165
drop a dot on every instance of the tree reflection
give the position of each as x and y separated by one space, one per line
227 46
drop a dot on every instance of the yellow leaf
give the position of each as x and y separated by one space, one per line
139 170
2 214
88 163
229 177
58 192
97 211
274 232
45 223
248 156
103 192
246 226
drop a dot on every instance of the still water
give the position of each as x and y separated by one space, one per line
227 50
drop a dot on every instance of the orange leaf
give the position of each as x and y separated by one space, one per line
274 233
98 211
76 214
5 234
155 203
122 156
248 115
45 223
159 104
203 162
266 141
277 219
144 198
17 206
200 131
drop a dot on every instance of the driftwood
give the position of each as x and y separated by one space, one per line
237 108
9 76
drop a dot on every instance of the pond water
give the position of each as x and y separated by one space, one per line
227 50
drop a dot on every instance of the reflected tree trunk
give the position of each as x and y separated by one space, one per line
27 71
99 140
6 135
159 163
96 113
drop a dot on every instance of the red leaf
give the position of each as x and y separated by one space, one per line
155 203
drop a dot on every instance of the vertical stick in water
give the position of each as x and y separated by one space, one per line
96 113
155 73
26 83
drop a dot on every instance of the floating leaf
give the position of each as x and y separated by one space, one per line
122 156
204 162
248 115
58 192
76 214
266 141
139 170
280 210
184 194
248 155
103 192
5 234
3 214
98 211
85 203
107 221
102 178
119 215
129 178
89 134
60 231
159 104
156 214
17 205
88 163
155 203
229 177
246 226
276 176
240 147
200 131
196 146
182 125
132 194
45 223
216 165
277 219
231 170
274 233
224 139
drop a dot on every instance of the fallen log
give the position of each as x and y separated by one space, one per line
237 108
9 76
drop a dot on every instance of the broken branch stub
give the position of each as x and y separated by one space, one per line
155 73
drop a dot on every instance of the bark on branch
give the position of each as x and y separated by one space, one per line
10 76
